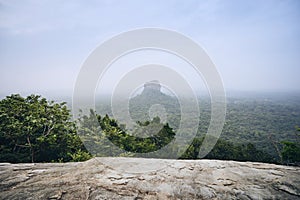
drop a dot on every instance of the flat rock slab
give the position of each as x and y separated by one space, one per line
139 178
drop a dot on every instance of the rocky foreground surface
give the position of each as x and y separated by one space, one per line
137 178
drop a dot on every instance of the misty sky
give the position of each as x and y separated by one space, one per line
255 45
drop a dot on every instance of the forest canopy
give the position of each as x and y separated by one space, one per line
33 129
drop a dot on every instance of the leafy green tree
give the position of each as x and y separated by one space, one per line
193 149
159 135
224 150
291 151
94 138
35 130
103 136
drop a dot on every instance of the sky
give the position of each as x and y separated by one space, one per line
255 45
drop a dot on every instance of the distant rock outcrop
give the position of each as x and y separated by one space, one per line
152 96
173 179
152 86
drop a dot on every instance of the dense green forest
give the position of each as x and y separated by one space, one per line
34 129
268 121
265 120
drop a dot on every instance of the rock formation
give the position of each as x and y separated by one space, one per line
152 86
150 98
138 178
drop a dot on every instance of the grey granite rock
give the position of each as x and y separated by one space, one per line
138 178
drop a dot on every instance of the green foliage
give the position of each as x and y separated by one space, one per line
94 138
249 117
35 130
193 149
99 132
107 127
79 156
291 151
224 150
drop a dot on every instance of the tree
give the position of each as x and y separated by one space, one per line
225 150
193 149
291 151
159 135
103 136
90 132
35 130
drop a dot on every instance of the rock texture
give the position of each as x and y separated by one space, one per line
135 178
